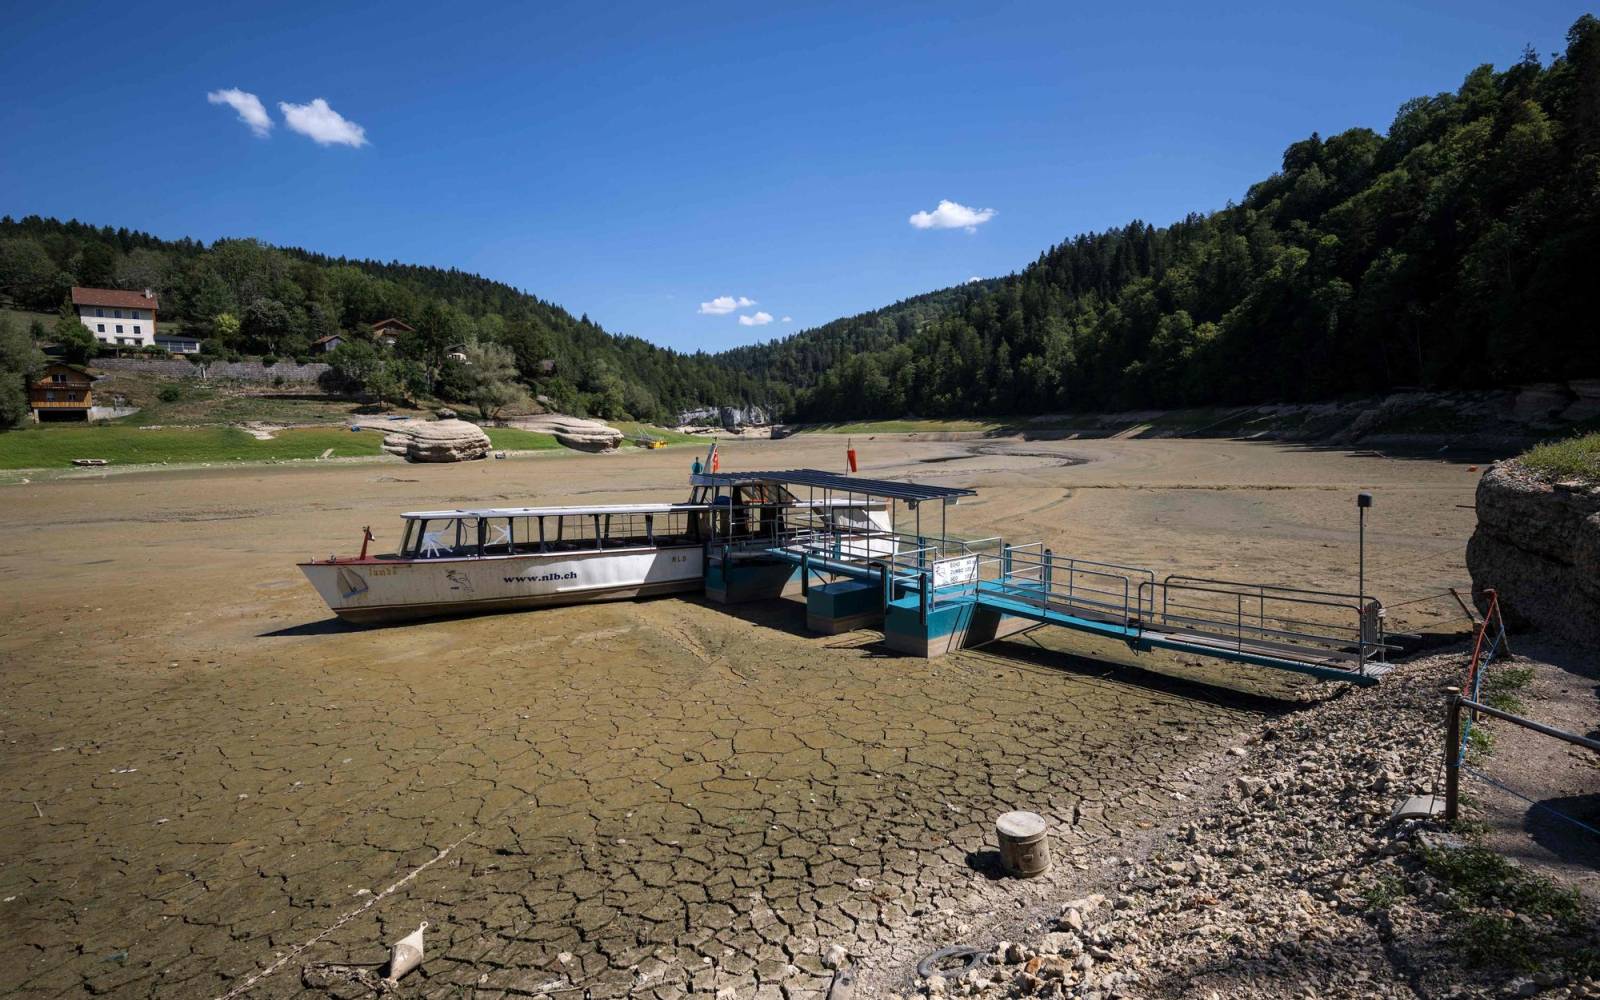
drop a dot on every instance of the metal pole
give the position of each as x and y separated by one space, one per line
1495 713
1452 754
1363 501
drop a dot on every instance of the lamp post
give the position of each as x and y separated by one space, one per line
1363 501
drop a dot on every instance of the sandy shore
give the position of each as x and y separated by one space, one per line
203 771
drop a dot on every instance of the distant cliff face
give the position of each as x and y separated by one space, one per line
730 417
1538 544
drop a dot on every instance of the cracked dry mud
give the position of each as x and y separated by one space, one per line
201 774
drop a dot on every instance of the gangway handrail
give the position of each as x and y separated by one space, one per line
1186 579
1280 630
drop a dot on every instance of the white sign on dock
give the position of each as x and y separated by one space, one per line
949 572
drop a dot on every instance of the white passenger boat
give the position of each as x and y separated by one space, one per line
453 562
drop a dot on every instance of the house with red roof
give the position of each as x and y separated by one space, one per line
117 317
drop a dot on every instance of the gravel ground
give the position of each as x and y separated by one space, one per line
1294 882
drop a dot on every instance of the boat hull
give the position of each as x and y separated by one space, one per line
379 591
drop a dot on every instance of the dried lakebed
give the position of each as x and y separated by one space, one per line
202 775
647 802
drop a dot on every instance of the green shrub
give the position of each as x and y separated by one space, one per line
170 393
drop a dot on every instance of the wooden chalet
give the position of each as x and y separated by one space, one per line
63 392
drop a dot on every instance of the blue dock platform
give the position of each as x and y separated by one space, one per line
933 594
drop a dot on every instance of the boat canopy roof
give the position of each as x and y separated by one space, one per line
886 489
619 508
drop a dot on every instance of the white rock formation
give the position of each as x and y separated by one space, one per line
437 441
573 432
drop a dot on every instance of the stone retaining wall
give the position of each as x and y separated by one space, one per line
237 371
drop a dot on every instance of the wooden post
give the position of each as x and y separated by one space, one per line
1452 755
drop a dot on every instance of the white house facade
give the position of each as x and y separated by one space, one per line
118 318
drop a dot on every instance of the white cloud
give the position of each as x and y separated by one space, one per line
759 319
787 319
722 305
247 105
321 124
950 215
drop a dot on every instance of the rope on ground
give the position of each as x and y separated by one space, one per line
1419 600
289 956
1532 802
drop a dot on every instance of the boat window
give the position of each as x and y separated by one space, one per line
444 538
569 532
678 527
501 535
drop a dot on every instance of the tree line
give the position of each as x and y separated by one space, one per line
1458 250
245 297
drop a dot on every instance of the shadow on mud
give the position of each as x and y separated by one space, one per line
327 626
781 614
1215 689
987 864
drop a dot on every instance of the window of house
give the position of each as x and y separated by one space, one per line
100 328
72 397
58 377
117 313
119 327
50 397
136 328
134 314
99 312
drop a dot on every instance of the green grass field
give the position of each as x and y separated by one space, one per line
1574 458
23 319
636 430
512 439
55 447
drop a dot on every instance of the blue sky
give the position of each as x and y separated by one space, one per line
636 161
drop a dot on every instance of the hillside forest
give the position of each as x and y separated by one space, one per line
246 298
1455 251
1458 250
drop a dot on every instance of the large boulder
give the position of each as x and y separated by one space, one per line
437 441
573 432
1538 545
1588 405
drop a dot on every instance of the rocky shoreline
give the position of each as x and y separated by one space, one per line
1296 882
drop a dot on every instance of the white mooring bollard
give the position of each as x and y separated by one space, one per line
1024 844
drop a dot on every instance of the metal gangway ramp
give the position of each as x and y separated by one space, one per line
1324 634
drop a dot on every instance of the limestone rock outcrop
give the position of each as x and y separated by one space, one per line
1538 544
573 432
729 417
437 441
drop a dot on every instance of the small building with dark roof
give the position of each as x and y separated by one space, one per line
388 331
